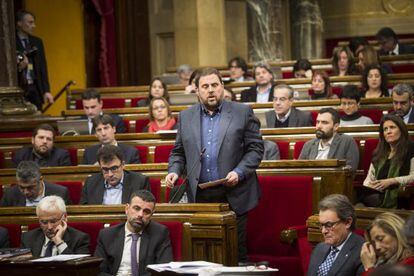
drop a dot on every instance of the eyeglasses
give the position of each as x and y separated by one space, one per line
112 169
51 221
328 225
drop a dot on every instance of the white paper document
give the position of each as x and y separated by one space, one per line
61 258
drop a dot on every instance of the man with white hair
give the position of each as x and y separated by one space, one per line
54 237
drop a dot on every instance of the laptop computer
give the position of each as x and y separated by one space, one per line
183 99
73 127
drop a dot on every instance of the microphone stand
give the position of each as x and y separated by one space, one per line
185 181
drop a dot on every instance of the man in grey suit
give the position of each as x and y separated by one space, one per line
402 100
127 248
105 131
114 185
339 254
284 114
217 139
31 187
54 237
329 144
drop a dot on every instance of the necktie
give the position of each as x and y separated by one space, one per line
327 264
49 249
134 263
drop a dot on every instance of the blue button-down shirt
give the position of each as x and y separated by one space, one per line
113 194
209 140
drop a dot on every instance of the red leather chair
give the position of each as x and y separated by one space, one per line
297 149
370 145
73 152
15 234
374 114
155 184
140 124
134 101
288 75
17 134
162 153
269 218
283 149
126 123
143 153
74 188
107 103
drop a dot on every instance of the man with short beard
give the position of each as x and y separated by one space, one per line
402 100
42 151
127 248
329 144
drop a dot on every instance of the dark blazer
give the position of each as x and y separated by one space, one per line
411 118
131 155
403 49
250 95
347 263
342 147
155 247
39 65
4 238
57 157
119 123
77 241
94 188
297 118
13 196
240 147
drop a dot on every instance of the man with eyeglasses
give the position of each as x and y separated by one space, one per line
339 253
31 187
54 237
113 185
284 114
402 100
127 248
350 98
105 130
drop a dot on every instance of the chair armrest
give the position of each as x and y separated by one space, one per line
291 234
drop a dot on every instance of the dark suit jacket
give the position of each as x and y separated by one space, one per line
13 196
77 241
297 118
250 95
342 147
347 263
155 247
403 49
94 188
4 238
131 155
411 118
240 147
119 123
39 65
57 157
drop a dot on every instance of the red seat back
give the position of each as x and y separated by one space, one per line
107 103
288 75
162 153
298 149
402 68
15 234
16 134
283 149
134 101
155 184
90 228
140 124
143 153
74 188
126 123
73 152
370 145
374 114
2 163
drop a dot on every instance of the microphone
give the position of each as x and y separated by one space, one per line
184 184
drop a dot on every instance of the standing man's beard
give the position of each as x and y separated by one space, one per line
323 135
400 113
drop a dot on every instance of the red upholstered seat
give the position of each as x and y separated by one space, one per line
140 124
162 153
74 188
283 149
2 163
15 134
155 184
314 115
126 123
143 153
15 233
370 145
1 191
374 114
286 201
288 75
73 152
107 103
134 101
402 68
297 149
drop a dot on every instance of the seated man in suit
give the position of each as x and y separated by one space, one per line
260 93
42 150
127 248
389 44
4 238
284 114
114 185
271 150
54 237
92 106
329 144
31 187
105 131
339 253
402 100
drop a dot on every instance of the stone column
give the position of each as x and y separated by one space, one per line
307 27
11 96
265 30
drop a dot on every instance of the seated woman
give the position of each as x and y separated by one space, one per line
386 243
157 89
368 55
160 116
374 82
302 69
392 164
343 62
350 106
321 87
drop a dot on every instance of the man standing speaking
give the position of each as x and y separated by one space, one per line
216 140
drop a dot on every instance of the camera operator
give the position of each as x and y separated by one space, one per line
31 61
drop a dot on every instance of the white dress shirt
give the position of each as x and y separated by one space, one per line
125 265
